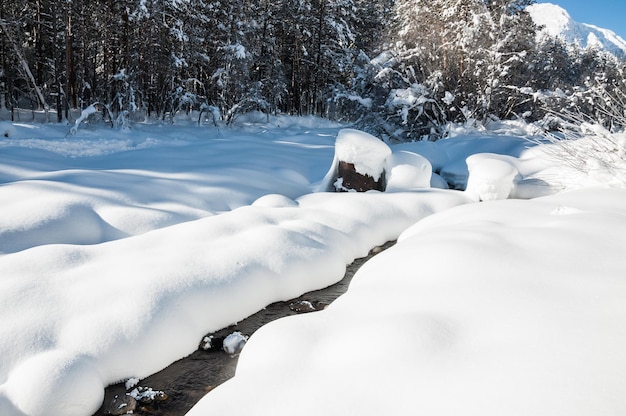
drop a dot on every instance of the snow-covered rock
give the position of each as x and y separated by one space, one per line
491 177
407 170
234 343
358 164
366 152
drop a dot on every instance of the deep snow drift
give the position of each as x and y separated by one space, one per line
120 250
500 308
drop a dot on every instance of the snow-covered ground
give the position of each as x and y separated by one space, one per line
120 250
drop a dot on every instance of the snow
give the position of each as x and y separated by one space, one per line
237 50
558 23
365 102
131 382
6 129
490 178
120 250
494 308
142 393
234 343
407 170
89 110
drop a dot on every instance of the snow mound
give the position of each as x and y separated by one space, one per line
68 385
64 220
274 201
6 129
490 177
193 277
407 170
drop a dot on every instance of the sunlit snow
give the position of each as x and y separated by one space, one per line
121 250
556 22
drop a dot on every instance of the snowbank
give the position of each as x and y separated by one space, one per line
448 156
159 292
115 265
507 307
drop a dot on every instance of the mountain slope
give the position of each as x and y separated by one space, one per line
558 23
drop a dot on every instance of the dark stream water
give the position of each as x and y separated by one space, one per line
187 380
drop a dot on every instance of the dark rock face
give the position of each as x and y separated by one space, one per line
349 179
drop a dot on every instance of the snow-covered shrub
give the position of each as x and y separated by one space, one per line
592 143
189 95
592 154
126 101
249 104
211 110
89 110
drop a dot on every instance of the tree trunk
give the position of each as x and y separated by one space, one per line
25 66
70 90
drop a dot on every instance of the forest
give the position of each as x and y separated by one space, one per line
401 69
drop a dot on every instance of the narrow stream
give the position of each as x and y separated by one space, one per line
187 380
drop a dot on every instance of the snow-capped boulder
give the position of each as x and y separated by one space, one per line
407 170
491 177
359 163
234 343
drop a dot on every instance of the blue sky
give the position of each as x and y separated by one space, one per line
609 14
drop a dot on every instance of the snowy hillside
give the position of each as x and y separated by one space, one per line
558 23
